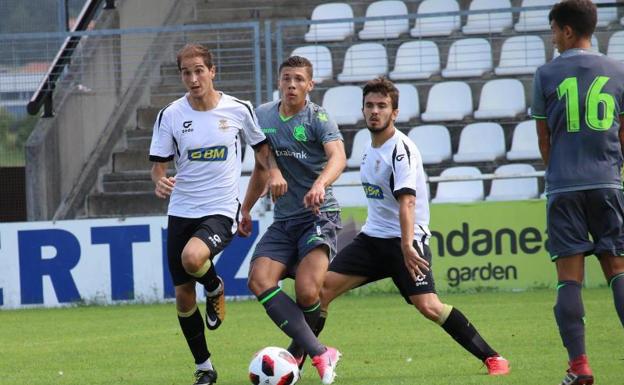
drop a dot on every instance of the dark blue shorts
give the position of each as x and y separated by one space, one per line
214 230
379 258
288 241
573 216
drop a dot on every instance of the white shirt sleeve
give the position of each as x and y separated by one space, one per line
251 129
405 162
162 148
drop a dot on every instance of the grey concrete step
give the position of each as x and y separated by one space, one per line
146 116
131 160
124 204
127 181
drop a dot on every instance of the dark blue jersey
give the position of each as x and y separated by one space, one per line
580 95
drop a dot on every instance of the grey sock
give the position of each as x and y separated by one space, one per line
569 313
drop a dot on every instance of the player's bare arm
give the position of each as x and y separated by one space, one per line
336 162
621 133
543 139
415 264
164 184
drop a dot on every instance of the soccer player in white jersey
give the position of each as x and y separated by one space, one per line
201 133
394 241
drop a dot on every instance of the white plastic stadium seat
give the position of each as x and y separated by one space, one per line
615 49
513 189
385 29
361 140
536 20
349 196
494 22
524 142
344 104
409 104
248 159
521 55
433 141
363 62
501 98
321 60
448 101
330 31
459 191
436 25
480 142
606 15
416 60
468 58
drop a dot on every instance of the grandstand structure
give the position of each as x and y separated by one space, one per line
464 70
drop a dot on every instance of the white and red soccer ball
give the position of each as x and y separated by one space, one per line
273 366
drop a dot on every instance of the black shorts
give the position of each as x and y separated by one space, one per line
214 230
288 241
573 216
379 258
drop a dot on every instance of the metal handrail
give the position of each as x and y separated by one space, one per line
43 94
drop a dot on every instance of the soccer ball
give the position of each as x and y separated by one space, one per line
273 366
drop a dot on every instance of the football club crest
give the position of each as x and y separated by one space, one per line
223 124
300 134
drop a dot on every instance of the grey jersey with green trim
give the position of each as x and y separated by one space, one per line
580 94
297 143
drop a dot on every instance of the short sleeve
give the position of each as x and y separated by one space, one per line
252 133
162 148
326 128
538 107
405 162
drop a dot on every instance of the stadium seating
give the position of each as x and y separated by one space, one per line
409 104
494 22
330 31
493 106
459 191
416 60
480 142
385 29
436 25
516 188
535 20
606 15
344 104
363 62
615 49
470 57
448 101
524 142
321 60
361 140
351 195
521 55
433 141
248 159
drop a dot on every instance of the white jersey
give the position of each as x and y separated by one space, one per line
207 151
393 169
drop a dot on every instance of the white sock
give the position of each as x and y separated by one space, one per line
206 365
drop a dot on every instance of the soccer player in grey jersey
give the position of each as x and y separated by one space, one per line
578 104
302 240
394 241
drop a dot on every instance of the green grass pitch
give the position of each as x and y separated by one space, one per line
383 341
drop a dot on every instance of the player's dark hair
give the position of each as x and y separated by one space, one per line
194 50
580 15
382 86
297 62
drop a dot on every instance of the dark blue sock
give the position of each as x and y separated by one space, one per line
616 283
569 313
288 316
311 314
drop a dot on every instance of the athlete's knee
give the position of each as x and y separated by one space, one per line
430 308
193 260
257 284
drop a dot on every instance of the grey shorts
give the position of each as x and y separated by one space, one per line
288 241
573 216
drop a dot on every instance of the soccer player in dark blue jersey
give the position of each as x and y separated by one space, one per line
578 101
